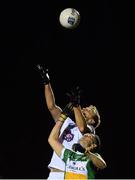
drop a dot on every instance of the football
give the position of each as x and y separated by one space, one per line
69 18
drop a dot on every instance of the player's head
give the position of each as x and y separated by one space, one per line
91 115
88 140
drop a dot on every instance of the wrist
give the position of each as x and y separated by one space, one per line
76 105
62 117
45 82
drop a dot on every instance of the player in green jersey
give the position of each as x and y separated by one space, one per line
82 162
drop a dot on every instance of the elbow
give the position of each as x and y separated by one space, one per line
102 165
51 107
49 140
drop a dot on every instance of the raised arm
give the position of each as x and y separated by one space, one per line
74 97
50 101
97 160
48 92
54 137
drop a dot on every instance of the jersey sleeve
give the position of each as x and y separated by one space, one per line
65 154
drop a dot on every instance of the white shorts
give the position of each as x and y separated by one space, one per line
56 176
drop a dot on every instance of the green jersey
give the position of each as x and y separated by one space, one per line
78 165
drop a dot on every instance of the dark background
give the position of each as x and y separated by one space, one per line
90 56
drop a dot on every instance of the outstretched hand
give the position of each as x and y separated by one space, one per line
68 109
44 74
74 96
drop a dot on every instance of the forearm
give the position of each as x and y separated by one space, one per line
80 121
54 138
50 101
49 96
97 160
54 135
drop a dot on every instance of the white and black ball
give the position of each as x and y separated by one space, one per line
69 18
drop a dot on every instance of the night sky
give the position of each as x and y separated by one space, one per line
87 56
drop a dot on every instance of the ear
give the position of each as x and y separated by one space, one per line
91 148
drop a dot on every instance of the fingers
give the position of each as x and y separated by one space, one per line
38 66
44 74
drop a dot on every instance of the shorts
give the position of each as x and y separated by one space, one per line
56 176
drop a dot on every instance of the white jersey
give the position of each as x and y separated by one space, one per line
69 135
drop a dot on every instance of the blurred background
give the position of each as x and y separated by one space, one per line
87 56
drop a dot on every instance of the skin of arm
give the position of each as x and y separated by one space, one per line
54 138
80 121
97 160
50 101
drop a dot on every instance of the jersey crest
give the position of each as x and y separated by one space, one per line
67 134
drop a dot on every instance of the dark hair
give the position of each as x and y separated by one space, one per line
78 147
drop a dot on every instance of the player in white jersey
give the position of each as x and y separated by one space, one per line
71 131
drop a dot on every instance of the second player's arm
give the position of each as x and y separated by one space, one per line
54 138
97 160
